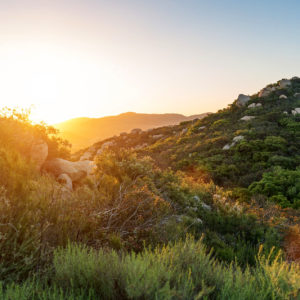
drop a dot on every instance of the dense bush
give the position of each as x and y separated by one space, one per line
177 271
281 186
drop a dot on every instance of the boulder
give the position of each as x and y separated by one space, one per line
285 113
296 111
283 97
75 170
242 99
238 138
205 206
254 105
65 180
284 83
226 147
234 141
39 153
247 118
266 91
297 96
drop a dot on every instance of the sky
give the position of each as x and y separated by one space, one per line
93 58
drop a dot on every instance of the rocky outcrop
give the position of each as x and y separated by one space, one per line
266 91
242 99
281 84
247 118
75 170
284 83
39 153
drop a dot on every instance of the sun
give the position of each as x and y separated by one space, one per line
57 83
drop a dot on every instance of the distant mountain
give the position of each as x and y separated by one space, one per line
82 132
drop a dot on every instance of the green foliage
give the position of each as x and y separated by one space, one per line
183 270
281 186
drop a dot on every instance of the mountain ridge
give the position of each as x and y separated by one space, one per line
85 131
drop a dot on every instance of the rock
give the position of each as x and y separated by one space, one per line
198 221
283 97
205 206
202 127
296 111
284 83
226 147
285 113
242 99
196 198
247 118
136 131
157 136
297 96
254 105
266 91
234 141
65 180
238 138
39 153
75 170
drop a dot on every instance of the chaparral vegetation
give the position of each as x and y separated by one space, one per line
207 209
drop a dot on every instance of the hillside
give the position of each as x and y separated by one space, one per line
83 132
251 144
208 208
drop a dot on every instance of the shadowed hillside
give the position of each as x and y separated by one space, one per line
82 132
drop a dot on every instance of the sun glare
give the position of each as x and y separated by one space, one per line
55 82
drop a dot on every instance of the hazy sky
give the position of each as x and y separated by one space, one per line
95 58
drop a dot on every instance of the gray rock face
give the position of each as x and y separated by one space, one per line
65 180
242 99
39 153
75 170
